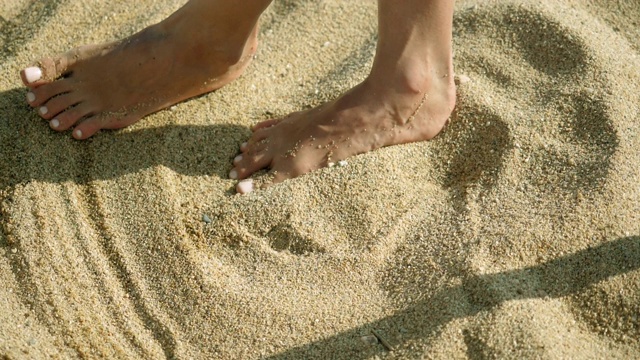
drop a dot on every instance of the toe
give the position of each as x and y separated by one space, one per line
46 71
245 186
257 141
271 122
88 127
237 159
276 178
249 164
40 95
69 117
58 104
265 124
286 169
49 69
31 75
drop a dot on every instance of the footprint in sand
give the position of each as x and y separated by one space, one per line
561 117
551 113
535 122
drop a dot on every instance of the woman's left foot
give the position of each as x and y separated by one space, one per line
369 116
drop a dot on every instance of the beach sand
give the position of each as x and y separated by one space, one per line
515 233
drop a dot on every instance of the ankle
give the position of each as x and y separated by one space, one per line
227 47
412 78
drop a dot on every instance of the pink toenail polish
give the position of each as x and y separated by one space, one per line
43 110
32 74
54 123
233 174
237 159
31 97
77 133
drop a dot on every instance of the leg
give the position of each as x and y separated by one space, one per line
201 47
407 97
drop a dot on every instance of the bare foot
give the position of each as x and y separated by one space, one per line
407 97
369 116
196 50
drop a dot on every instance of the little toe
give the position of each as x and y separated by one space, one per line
42 94
58 104
88 127
91 125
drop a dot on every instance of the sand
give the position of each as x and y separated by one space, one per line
513 234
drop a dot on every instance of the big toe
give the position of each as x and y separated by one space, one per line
46 70
31 75
244 186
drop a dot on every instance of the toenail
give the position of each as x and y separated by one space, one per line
243 146
237 159
31 97
245 186
43 110
54 123
77 133
32 74
233 174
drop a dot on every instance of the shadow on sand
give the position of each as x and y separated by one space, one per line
33 152
564 276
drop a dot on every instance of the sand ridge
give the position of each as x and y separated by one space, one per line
513 234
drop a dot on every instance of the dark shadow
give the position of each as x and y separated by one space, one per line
476 349
545 44
33 152
285 237
564 276
542 41
592 126
475 131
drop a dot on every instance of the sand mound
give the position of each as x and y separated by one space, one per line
514 234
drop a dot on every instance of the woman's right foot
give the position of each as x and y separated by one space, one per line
200 48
